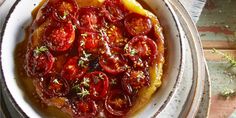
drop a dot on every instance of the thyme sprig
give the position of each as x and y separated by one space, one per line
229 58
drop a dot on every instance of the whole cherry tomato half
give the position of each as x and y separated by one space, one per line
137 24
74 68
113 10
89 18
134 80
59 36
117 102
39 61
116 36
114 63
98 84
54 85
64 10
85 108
141 48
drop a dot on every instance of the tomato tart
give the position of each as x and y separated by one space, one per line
94 58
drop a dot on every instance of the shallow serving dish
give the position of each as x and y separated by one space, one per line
13 32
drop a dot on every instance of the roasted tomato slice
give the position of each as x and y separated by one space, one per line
85 108
54 85
39 61
89 18
59 36
134 80
74 68
64 10
141 48
114 63
117 102
113 10
92 42
116 36
137 24
98 84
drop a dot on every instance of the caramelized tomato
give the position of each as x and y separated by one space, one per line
59 36
114 63
98 84
90 18
141 48
74 68
85 108
113 10
137 24
39 61
117 103
54 85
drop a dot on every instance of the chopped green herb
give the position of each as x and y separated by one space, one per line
229 58
82 43
56 81
83 92
85 82
100 76
126 47
133 52
84 35
82 64
40 49
113 82
76 88
64 15
74 27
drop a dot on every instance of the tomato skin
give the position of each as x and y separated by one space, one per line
59 36
86 108
72 70
90 18
117 103
113 10
115 63
141 48
137 24
38 64
98 85
53 85
116 36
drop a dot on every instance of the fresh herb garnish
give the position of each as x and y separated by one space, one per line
85 82
133 52
83 92
229 58
65 13
41 49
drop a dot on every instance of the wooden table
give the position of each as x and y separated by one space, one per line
217 28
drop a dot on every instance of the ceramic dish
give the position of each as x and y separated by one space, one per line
13 33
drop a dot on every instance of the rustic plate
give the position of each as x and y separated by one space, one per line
13 32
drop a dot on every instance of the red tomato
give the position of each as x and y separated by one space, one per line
54 85
59 36
116 36
74 69
114 63
137 24
39 61
85 108
141 48
92 42
89 18
98 84
113 10
117 103
134 80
